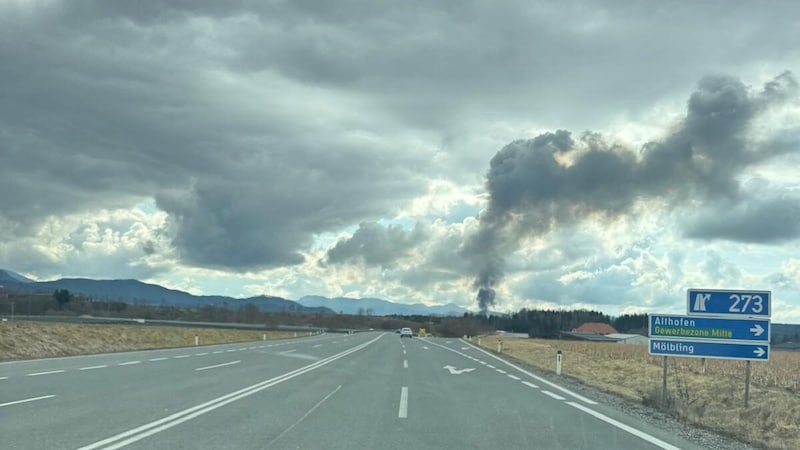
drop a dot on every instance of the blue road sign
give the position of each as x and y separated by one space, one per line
718 302
719 350
708 328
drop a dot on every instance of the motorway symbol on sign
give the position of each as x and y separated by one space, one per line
711 328
718 302
454 371
700 349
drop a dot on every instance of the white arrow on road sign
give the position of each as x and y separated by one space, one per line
759 352
758 330
454 371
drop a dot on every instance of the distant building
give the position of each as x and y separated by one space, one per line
634 339
595 328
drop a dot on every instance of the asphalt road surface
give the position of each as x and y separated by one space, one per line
361 391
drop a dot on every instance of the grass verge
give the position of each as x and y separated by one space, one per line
25 340
706 394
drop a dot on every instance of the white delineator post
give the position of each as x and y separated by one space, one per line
558 362
499 346
196 340
264 337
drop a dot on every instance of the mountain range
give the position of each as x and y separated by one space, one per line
137 292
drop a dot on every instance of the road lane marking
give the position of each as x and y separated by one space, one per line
287 351
405 364
231 350
404 352
251 348
308 413
513 377
424 348
3 378
157 359
501 371
555 396
103 366
216 352
529 384
482 362
318 346
129 363
200 354
218 365
36 374
640 434
17 402
535 377
402 413
137 434
491 366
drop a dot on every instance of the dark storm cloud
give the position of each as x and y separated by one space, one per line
376 245
532 192
768 221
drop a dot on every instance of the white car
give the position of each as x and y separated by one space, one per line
406 332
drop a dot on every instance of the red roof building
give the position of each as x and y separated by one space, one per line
595 327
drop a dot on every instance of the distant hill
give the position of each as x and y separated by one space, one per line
380 307
12 277
137 292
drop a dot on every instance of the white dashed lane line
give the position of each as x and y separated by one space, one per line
36 374
200 354
513 377
529 384
3 378
491 366
501 371
217 352
94 367
555 396
219 365
130 363
16 402
163 358
181 356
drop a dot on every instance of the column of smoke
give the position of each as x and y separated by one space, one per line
531 190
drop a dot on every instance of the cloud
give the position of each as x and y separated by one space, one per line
553 180
377 245
768 221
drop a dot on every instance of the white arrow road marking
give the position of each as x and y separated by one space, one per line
454 371
759 352
758 330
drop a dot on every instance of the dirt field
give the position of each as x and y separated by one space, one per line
23 340
709 395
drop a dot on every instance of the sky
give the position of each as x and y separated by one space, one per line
596 154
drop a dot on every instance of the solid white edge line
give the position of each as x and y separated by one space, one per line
36 374
555 396
219 365
402 413
308 413
536 377
529 384
149 429
103 366
640 434
26 400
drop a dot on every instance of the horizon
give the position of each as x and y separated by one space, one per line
546 158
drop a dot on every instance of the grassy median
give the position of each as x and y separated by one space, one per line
24 340
708 394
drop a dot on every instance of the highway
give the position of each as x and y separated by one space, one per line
333 391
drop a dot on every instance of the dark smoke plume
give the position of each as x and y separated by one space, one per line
535 185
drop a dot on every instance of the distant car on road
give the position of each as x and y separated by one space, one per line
406 332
